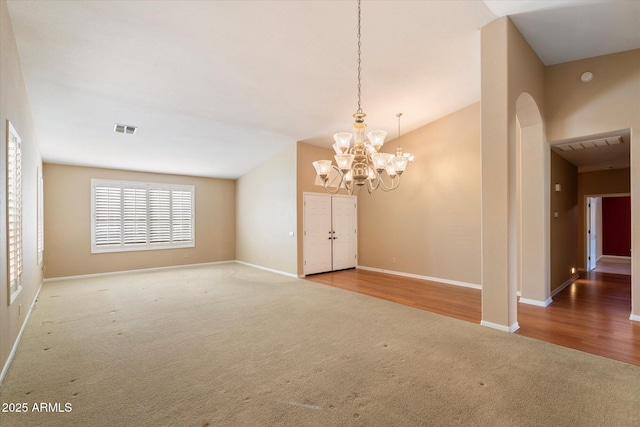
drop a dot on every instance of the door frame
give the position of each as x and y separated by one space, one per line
591 232
587 215
304 237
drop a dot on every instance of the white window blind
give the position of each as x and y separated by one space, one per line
138 216
181 216
14 211
40 216
159 216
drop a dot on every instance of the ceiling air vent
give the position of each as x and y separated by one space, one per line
590 144
130 130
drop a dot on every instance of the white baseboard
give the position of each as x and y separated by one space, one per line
284 273
615 258
535 302
502 328
141 270
565 284
634 317
12 353
418 276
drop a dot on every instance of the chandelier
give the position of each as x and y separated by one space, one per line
359 161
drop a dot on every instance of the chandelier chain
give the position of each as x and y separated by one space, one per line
359 161
359 67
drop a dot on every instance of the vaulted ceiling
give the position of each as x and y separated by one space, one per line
217 87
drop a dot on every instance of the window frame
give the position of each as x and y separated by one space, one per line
40 231
123 246
14 186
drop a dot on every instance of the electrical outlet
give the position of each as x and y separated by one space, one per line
393 260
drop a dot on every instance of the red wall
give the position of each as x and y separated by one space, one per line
616 226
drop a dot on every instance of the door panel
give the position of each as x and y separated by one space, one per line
317 233
591 233
344 226
330 233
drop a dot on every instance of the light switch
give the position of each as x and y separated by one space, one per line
558 188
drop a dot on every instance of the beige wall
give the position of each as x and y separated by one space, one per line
67 207
509 68
14 106
608 103
266 214
431 223
564 228
616 181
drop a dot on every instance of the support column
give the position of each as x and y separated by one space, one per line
498 292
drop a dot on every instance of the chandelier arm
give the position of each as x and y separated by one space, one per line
379 181
395 183
371 187
349 188
327 188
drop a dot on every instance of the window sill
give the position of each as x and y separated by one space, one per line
140 248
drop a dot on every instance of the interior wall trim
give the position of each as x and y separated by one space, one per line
418 276
284 273
140 270
615 258
535 302
565 284
12 353
502 328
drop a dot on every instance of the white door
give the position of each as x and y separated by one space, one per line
343 220
591 233
330 230
317 234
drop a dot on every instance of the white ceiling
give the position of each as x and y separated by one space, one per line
217 87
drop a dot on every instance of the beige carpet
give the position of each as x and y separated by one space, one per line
229 345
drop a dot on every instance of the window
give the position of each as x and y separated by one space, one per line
40 216
14 212
131 216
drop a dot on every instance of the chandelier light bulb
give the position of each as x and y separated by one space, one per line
343 139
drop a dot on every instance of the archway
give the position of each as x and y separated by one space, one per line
530 227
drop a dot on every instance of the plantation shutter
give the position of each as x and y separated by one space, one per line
181 221
159 216
137 216
14 210
108 216
40 230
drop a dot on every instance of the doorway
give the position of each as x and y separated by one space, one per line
594 214
329 233
608 233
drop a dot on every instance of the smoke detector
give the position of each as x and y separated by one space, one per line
130 130
586 77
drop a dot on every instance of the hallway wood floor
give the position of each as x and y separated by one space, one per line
590 315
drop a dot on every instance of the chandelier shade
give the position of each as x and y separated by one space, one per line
359 161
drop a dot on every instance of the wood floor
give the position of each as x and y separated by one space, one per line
590 315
